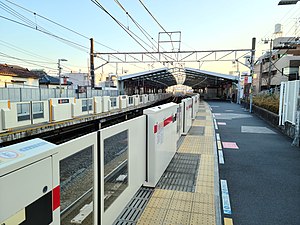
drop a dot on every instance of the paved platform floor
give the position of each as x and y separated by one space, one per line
201 206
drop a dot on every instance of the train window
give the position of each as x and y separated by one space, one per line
76 187
115 167
113 102
37 110
23 111
130 100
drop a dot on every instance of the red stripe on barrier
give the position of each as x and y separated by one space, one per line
155 129
168 120
55 198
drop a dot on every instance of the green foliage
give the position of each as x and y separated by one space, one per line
267 101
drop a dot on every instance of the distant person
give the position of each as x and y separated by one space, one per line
233 97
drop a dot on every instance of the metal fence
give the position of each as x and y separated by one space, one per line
39 94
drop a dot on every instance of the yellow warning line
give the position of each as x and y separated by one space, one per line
219 145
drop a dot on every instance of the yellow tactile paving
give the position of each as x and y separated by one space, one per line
161 193
181 205
162 203
202 219
167 207
204 198
203 208
177 217
183 196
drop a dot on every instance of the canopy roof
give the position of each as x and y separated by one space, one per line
164 77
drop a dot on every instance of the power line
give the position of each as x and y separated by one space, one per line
129 32
24 60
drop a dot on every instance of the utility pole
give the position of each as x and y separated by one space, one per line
252 71
270 60
92 67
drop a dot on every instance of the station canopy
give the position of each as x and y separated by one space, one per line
166 77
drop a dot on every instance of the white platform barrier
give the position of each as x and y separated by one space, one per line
145 99
123 99
162 139
18 114
195 106
97 104
187 114
26 179
125 155
82 106
179 118
4 104
151 98
114 103
40 111
130 102
60 108
136 100
106 103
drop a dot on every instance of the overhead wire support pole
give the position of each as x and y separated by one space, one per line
252 71
92 65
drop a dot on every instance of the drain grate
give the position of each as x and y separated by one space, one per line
181 174
196 130
200 117
134 209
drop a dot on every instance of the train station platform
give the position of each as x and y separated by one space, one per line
188 191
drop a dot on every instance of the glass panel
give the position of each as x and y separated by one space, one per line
84 105
113 102
115 167
38 110
90 104
23 111
130 101
76 185
141 99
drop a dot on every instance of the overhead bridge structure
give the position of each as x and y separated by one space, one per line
161 79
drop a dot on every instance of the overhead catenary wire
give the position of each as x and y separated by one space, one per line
129 32
69 29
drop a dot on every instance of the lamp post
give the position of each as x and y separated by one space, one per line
59 74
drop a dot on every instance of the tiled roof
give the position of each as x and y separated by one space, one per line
46 79
16 71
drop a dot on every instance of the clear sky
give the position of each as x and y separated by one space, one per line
205 25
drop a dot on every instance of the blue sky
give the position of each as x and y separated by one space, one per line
205 25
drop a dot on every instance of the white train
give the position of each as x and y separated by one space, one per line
18 114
